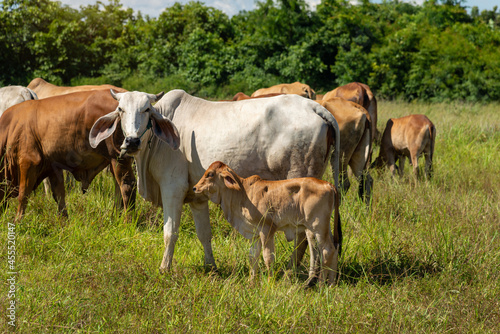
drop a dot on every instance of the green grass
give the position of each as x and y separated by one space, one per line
424 259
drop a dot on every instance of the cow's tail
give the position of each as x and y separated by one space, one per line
334 126
432 133
367 136
337 225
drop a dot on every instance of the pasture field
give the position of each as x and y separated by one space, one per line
424 259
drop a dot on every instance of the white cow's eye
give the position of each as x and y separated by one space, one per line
120 109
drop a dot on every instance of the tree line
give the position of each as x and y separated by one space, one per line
433 52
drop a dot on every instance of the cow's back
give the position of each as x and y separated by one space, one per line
56 129
277 138
45 89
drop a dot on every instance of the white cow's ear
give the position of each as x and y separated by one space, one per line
103 128
164 129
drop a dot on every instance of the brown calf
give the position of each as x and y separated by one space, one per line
258 208
408 136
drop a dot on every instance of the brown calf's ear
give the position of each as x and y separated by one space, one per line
230 182
164 129
104 127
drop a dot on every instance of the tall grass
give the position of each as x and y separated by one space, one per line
425 258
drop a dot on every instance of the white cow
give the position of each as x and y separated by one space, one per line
12 95
277 138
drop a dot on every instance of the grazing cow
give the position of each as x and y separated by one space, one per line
278 138
44 89
362 95
41 138
12 95
355 143
293 88
242 96
408 136
258 209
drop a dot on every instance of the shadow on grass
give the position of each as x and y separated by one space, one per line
386 270
381 270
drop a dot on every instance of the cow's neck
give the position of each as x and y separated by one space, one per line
237 206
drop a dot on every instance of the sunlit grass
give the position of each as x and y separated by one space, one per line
424 258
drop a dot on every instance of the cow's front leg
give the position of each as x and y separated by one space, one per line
201 218
125 182
254 257
172 209
56 180
267 240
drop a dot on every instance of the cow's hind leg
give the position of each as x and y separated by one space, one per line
58 192
314 260
401 165
201 218
27 180
428 163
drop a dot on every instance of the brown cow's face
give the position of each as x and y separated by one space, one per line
137 116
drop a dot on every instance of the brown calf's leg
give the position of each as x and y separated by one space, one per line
254 256
267 238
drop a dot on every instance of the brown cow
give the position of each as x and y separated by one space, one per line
41 138
242 96
408 136
259 208
293 88
355 143
362 95
44 89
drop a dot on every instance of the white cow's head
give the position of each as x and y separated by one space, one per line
137 116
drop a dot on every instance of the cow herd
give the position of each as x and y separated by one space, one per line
260 157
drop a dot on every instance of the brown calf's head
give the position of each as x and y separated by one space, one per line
217 178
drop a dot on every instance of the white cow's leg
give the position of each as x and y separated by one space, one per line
299 249
204 231
172 209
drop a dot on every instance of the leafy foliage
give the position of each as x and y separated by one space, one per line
436 51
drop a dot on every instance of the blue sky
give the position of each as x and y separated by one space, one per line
154 7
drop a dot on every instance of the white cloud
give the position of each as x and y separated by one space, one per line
154 8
